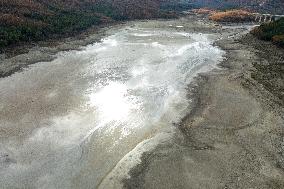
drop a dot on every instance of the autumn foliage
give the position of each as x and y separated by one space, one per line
32 20
232 16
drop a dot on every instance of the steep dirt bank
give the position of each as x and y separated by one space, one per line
233 138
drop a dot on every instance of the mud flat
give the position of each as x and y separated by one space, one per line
105 115
82 118
233 138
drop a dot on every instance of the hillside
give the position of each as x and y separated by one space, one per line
273 31
31 20
263 6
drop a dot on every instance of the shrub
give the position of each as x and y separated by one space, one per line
278 40
232 16
272 31
60 23
32 20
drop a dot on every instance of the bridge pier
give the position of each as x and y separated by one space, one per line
256 18
262 18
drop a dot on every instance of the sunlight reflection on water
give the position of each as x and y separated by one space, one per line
129 87
112 102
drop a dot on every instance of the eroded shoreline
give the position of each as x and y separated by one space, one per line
233 137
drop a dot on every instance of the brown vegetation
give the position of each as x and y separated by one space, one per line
137 9
278 40
232 16
272 31
30 20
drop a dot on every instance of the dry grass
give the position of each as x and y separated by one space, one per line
232 16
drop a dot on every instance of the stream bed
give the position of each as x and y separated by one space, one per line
70 122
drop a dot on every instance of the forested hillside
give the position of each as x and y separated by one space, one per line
28 20
272 31
31 20
264 6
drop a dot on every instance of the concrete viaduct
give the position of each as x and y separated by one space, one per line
262 18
